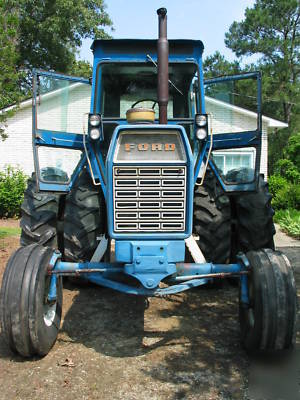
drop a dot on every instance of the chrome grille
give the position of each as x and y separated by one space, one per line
149 199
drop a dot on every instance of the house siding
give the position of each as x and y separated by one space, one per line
264 152
16 150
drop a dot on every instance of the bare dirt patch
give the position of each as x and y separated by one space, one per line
9 223
7 246
113 346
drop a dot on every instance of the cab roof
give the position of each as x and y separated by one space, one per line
135 48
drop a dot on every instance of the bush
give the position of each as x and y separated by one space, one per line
286 168
293 150
12 187
277 183
285 194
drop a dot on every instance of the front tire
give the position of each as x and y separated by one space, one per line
29 322
268 323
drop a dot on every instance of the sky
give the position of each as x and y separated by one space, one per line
187 19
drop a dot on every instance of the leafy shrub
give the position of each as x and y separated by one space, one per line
280 201
12 187
285 194
286 168
289 166
276 183
289 221
293 150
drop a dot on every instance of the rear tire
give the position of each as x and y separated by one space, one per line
84 219
255 227
39 212
268 323
212 220
29 323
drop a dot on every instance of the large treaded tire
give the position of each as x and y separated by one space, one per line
84 219
29 322
255 227
268 323
212 220
38 216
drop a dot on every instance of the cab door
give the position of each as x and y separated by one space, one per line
60 107
234 106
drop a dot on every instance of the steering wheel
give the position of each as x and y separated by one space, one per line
140 101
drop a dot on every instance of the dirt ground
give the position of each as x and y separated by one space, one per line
113 346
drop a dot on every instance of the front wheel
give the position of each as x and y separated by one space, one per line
268 322
29 322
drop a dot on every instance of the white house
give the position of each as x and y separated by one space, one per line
63 110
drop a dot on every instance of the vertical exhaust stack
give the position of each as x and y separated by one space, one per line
162 66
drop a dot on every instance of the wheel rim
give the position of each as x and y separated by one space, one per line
49 313
49 307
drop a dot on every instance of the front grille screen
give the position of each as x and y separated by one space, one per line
149 199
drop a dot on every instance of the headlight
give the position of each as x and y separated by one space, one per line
95 128
95 120
94 133
201 120
201 133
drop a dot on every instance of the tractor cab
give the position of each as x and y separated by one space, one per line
127 89
124 89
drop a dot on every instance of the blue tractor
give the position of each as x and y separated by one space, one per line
147 182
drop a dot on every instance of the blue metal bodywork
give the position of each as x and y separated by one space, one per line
149 261
148 258
184 277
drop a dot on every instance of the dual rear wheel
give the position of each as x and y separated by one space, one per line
226 225
71 222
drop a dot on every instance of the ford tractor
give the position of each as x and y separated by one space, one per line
147 181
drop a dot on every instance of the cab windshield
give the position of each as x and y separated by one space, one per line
123 85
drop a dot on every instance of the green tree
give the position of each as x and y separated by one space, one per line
44 34
10 92
217 65
271 29
81 68
52 31
242 93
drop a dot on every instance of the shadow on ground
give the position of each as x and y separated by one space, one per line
192 339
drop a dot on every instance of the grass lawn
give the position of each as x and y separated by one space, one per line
9 231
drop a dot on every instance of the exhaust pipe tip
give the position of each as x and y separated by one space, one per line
162 12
